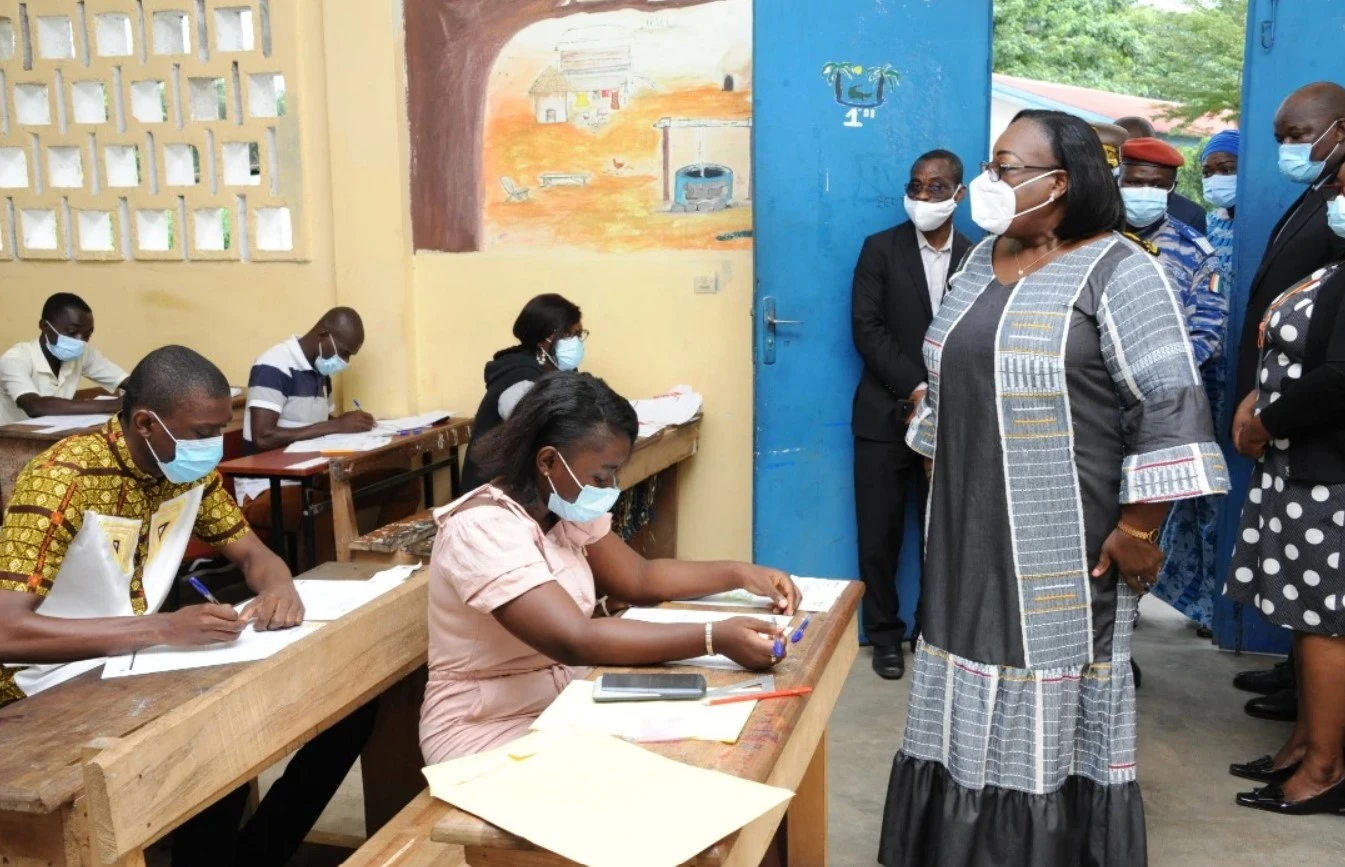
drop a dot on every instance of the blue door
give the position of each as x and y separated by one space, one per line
847 94
1284 51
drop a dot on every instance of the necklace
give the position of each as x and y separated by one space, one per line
1018 257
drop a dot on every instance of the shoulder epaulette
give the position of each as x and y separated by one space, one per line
1151 249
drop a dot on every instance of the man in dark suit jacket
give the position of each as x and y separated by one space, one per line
1185 210
900 280
1312 118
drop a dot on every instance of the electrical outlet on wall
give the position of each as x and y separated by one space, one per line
706 284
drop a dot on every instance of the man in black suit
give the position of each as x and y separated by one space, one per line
899 282
1310 127
1180 207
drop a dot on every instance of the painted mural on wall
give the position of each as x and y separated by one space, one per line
620 131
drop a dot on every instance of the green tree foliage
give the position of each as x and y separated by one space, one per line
1191 57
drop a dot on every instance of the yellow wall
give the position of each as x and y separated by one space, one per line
650 331
432 319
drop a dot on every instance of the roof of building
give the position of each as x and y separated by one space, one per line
1099 105
551 81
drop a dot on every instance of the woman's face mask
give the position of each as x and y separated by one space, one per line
592 502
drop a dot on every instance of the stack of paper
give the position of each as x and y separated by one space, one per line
819 594
359 442
549 786
672 615
678 406
412 422
645 721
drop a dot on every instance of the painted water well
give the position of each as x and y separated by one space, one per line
702 187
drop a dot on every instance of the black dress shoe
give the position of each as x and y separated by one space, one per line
1266 680
1280 706
889 662
1263 770
1271 798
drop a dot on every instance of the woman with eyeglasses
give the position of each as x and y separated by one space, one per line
1064 413
551 336
1292 534
518 564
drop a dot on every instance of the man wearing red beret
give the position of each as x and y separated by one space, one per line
1148 174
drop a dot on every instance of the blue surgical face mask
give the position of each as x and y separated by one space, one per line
66 348
591 503
329 365
569 353
1297 164
192 459
1221 190
1335 215
1144 205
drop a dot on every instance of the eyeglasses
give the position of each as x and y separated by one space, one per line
937 192
996 170
582 335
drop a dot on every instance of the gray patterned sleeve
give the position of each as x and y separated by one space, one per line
1171 452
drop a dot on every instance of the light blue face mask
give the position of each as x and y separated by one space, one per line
329 365
192 459
1335 215
1221 190
591 503
1144 205
569 353
1297 164
66 348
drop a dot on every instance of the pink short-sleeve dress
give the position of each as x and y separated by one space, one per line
486 686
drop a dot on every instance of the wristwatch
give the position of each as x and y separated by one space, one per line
1151 536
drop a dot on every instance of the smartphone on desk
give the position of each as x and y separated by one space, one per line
649 687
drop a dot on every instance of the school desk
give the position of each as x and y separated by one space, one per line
784 744
20 443
411 540
188 737
436 447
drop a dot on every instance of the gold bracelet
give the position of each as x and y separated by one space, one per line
1151 536
709 639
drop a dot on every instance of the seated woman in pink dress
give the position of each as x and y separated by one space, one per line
519 563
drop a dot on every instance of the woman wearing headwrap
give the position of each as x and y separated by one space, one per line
1219 165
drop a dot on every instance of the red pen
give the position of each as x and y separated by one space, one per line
757 696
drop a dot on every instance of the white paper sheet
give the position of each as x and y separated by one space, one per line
674 615
250 646
360 442
58 423
411 422
235 391
549 786
645 721
819 594
326 600
311 462
678 406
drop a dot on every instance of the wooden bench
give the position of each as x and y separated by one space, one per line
405 840
656 457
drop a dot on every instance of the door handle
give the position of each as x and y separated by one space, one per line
768 323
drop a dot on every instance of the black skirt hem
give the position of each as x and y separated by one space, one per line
931 821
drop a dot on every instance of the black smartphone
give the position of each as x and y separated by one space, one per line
649 687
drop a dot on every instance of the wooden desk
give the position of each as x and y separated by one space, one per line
43 810
278 466
411 540
20 443
784 744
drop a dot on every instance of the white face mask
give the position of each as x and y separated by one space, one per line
929 216
994 206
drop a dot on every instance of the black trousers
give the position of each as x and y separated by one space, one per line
285 816
885 474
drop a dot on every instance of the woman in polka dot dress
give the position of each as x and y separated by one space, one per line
1291 538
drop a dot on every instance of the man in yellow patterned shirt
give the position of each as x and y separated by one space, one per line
92 541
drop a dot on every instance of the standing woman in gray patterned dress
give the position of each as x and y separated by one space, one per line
1292 535
1064 413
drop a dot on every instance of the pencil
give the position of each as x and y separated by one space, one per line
757 696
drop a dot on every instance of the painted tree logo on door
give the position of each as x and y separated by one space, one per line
861 89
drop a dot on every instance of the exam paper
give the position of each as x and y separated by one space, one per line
678 406
548 786
673 615
359 442
248 647
819 594
411 422
58 423
326 600
645 721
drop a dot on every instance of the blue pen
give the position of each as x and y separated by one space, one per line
203 590
798 633
778 648
357 405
